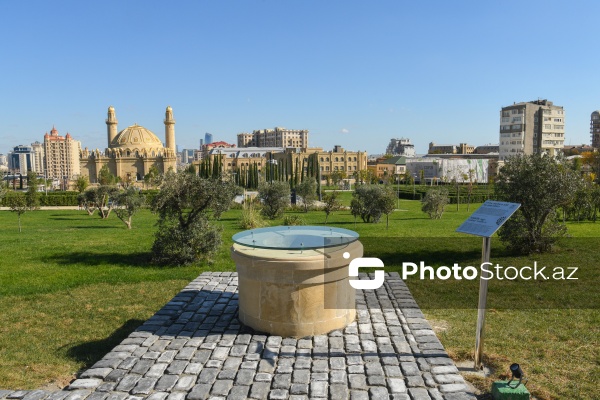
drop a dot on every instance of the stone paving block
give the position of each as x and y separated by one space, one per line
36 395
166 383
78 395
97 396
238 393
244 377
452 387
359 395
199 392
415 381
4 393
222 387
157 396
96 373
278 394
128 382
419 394
379 392
60 395
396 385
318 389
260 390
91 383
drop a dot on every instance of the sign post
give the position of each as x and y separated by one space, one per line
485 221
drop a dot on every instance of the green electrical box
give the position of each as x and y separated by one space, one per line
501 391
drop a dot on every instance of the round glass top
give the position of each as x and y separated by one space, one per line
295 237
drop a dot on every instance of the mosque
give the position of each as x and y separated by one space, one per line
132 152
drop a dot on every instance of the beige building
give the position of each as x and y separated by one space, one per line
133 151
461 148
337 159
61 156
531 128
278 137
595 129
38 149
233 158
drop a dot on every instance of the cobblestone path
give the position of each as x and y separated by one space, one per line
195 348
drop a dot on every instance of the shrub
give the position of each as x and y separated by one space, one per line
293 220
251 218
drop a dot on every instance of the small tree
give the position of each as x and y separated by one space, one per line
370 202
308 191
127 203
541 184
434 202
105 177
32 197
331 203
387 203
17 203
99 198
81 183
153 177
337 176
184 204
275 197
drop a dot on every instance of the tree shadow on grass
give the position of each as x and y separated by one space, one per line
139 259
91 352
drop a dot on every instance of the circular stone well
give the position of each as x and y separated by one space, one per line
293 280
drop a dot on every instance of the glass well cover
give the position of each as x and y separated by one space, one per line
295 237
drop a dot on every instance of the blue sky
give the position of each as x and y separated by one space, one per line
353 73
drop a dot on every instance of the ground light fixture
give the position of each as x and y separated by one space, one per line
514 389
517 373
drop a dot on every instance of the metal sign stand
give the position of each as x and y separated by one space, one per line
485 221
483 289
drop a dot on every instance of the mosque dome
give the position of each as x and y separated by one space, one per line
136 137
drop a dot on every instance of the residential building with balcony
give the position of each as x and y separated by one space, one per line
532 127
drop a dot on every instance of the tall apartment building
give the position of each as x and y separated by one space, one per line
62 155
38 149
595 129
531 127
401 147
277 137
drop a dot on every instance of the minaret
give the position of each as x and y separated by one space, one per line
170 129
111 124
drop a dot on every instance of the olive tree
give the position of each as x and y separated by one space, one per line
127 203
331 203
541 184
275 197
185 205
434 202
308 191
99 198
371 202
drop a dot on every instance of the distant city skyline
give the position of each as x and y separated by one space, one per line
351 73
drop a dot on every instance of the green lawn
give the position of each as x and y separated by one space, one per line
72 286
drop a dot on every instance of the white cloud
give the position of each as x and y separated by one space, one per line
344 130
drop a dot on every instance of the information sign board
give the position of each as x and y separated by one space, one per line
488 218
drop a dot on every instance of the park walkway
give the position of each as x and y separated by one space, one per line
195 348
